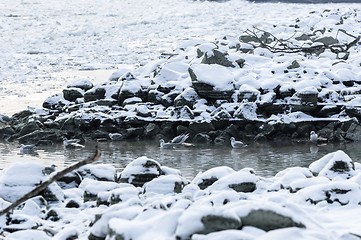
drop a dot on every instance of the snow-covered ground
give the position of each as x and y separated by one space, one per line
43 41
321 201
45 44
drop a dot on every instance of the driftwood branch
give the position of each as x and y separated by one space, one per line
38 189
285 46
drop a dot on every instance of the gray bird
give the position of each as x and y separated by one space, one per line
237 144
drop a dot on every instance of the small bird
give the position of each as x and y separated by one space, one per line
72 143
175 142
28 149
165 145
237 144
115 136
180 139
313 137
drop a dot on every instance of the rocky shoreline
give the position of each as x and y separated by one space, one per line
259 86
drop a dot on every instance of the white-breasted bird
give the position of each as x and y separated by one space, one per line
72 143
28 149
175 142
236 144
313 137
165 145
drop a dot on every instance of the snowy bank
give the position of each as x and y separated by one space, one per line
148 200
284 80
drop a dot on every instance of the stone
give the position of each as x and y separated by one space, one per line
217 57
29 127
6 132
201 138
94 94
214 223
72 94
353 133
52 135
133 132
268 220
81 84
140 171
151 130
201 127
294 65
167 100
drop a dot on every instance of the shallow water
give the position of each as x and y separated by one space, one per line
266 159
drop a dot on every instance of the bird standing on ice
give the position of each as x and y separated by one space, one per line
237 144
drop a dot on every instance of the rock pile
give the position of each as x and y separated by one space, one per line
284 81
148 199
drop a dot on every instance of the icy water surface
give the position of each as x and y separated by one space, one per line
266 159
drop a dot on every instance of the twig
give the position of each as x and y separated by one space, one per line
54 178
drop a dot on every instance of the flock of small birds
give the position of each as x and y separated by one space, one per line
176 142
30 149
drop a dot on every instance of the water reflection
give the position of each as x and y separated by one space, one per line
266 158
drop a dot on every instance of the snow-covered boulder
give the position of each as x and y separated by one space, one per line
21 178
332 165
140 171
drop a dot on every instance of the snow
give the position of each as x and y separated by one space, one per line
41 40
221 78
317 207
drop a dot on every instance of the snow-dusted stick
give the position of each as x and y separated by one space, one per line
54 178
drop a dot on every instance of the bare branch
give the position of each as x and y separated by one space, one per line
285 46
38 189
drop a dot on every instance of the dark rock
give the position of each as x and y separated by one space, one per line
168 128
140 171
187 98
155 96
217 57
72 94
201 138
81 84
133 132
167 100
6 132
244 187
353 133
56 101
201 127
29 127
72 204
248 94
207 182
99 134
214 223
94 94
86 124
151 130
70 180
327 41
268 220
294 65
52 135
183 113
220 114
208 91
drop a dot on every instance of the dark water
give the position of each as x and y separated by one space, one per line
266 159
